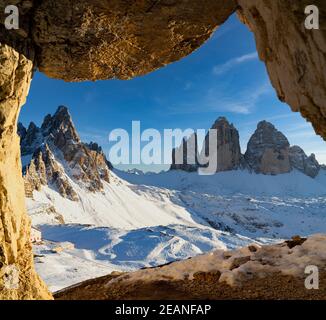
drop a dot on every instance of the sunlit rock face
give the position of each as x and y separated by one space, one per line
295 57
300 161
102 39
226 150
268 150
55 152
18 279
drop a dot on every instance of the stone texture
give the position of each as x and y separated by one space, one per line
227 152
57 152
295 57
102 39
45 170
18 279
268 150
300 161
188 152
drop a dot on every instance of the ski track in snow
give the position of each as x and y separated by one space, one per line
147 220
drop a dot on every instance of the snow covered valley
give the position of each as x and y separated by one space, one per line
147 220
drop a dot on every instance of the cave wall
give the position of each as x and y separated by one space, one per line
294 56
18 279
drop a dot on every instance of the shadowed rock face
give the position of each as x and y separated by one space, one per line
102 39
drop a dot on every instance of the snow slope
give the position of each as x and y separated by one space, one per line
148 220
99 251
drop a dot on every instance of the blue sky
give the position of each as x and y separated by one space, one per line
222 78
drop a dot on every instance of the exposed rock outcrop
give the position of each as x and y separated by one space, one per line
43 170
93 146
256 272
91 40
295 57
268 150
226 150
185 157
58 153
299 160
18 279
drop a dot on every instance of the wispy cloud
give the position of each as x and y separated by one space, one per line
215 100
94 135
223 68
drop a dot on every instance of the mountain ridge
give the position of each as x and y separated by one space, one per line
56 150
268 152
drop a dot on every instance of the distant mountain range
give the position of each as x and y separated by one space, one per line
268 152
54 153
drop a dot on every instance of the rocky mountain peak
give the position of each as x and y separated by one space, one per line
58 155
21 130
60 127
188 152
268 150
227 151
221 121
300 161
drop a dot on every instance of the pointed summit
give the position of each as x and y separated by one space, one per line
268 150
60 127
300 161
187 152
227 152
21 130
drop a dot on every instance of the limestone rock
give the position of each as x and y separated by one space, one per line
185 157
268 150
58 153
18 279
45 170
92 40
295 57
227 151
299 160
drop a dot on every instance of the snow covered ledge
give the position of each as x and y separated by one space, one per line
222 274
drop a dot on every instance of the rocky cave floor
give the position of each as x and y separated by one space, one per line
207 287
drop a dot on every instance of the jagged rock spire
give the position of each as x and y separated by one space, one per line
227 152
300 161
85 164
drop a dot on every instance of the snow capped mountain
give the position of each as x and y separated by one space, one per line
127 220
54 155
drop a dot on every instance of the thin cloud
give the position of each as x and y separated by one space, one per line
223 68
216 101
